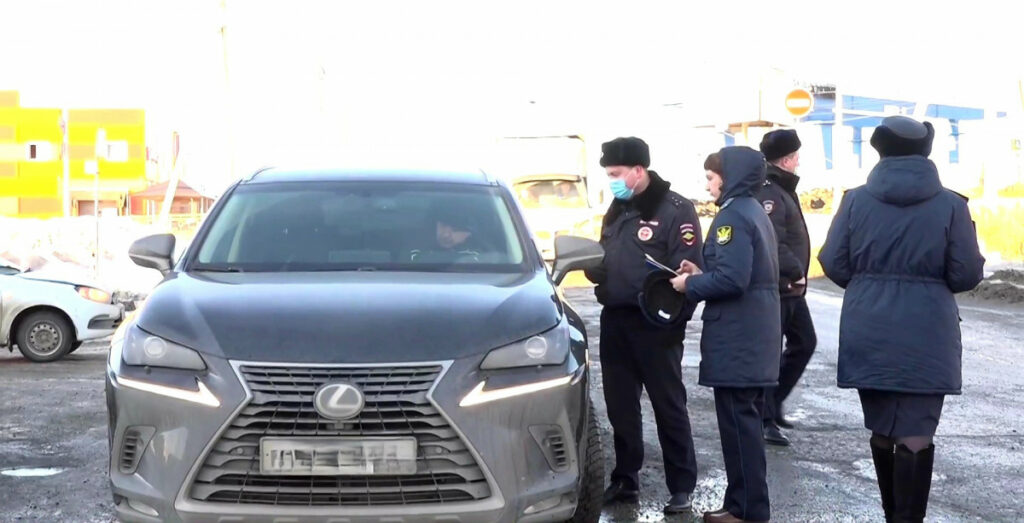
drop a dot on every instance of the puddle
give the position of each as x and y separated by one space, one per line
28 472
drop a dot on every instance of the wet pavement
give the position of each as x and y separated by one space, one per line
827 473
53 438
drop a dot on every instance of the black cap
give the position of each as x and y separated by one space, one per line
661 304
777 144
625 151
903 136
457 217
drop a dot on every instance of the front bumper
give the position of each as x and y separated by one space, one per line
506 439
97 320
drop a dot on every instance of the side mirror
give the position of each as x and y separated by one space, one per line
573 253
153 252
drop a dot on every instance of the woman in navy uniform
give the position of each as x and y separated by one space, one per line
741 343
902 245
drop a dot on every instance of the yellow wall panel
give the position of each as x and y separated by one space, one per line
9 98
108 116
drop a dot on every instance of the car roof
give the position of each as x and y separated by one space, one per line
278 175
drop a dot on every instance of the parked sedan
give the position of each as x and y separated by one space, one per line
48 315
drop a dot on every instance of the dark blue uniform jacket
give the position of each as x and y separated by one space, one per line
901 245
741 343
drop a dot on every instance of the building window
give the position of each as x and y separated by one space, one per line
39 151
117 151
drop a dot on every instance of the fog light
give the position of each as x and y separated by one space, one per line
547 504
139 506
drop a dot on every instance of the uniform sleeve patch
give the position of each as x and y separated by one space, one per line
723 234
688 234
769 206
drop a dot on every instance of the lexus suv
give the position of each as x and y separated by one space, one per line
353 346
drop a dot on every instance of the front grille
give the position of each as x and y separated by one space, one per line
396 405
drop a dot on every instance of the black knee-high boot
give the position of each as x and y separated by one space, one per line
882 455
912 479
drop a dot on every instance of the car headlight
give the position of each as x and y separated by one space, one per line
143 348
93 294
548 348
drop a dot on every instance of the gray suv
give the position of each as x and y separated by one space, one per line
356 346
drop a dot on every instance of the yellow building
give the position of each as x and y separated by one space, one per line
32 181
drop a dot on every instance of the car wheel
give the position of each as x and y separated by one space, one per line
589 497
44 336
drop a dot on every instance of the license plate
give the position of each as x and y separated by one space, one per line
337 456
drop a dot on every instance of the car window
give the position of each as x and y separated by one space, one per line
381 226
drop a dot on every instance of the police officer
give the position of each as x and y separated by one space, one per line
645 218
741 342
902 245
779 198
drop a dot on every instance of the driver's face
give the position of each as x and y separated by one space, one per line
449 237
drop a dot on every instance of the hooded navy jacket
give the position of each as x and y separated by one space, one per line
901 245
741 343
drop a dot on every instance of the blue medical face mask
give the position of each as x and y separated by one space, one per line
620 189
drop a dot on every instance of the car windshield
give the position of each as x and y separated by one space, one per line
551 193
382 226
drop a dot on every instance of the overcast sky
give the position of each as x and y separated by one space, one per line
350 76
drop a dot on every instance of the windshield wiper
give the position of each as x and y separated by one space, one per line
217 268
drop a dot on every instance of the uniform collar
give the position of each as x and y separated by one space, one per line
783 178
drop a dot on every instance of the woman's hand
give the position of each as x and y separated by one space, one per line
679 282
688 267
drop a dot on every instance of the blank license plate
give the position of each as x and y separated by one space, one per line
337 456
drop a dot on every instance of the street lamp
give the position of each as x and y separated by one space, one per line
93 167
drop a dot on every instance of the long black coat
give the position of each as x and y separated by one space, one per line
901 245
741 343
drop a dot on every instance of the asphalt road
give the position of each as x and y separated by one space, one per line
53 440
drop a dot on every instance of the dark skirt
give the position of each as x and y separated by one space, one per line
899 414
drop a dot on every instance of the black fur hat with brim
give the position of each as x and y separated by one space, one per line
780 143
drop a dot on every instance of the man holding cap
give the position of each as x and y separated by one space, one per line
646 218
779 198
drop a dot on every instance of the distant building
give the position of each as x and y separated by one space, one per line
32 163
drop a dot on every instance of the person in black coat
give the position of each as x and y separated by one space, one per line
902 245
646 218
779 198
741 342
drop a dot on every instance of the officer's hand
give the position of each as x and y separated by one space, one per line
679 282
688 267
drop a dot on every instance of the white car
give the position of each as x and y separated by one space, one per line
49 315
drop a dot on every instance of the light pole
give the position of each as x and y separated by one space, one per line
93 167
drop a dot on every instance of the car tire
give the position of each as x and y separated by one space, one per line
589 497
44 336
75 346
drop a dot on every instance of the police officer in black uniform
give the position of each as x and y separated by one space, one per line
645 218
741 341
779 198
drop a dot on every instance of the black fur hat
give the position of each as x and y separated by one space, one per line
625 151
903 136
777 144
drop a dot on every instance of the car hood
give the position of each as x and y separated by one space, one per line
349 317
70 277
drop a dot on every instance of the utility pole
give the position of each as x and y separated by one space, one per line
837 127
229 105
65 150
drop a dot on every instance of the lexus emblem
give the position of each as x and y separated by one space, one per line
338 401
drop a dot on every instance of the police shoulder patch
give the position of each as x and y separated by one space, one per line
723 234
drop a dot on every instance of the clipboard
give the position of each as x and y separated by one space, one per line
658 265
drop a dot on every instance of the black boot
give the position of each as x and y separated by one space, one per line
882 455
912 479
